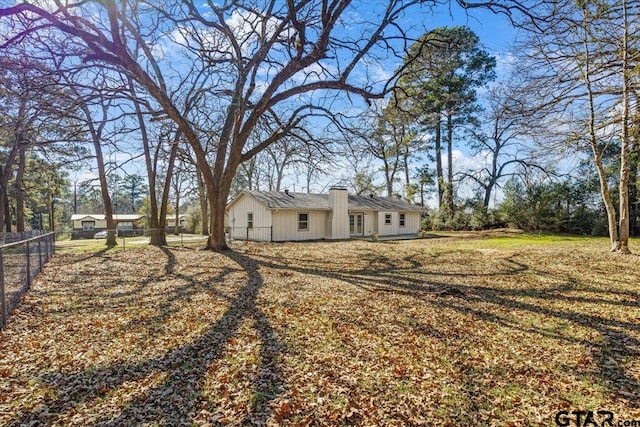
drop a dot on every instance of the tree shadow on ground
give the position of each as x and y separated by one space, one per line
450 290
177 398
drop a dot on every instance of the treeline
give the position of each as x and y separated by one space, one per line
190 103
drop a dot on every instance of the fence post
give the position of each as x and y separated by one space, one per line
39 254
28 265
47 249
3 319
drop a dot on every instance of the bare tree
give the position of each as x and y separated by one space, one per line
583 59
503 142
33 115
261 57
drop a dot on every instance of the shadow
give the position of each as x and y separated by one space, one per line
410 277
177 398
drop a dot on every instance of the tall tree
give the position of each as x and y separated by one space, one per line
441 75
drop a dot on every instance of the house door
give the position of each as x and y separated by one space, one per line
356 224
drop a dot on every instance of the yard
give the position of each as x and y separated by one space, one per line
503 330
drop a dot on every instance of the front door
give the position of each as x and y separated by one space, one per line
356 224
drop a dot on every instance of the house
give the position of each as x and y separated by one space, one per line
170 223
284 216
84 226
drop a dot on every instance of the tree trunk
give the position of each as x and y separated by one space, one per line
3 197
176 229
388 177
52 214
633 191
439 172
634 158
157 235
449 191
597 154
217 239
5 176
96 136
7 212
623 227
204 211
160 235
494 176
19 189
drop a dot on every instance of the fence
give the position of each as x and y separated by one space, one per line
261 234
20 262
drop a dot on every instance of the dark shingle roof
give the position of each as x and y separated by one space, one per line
376 203
281 200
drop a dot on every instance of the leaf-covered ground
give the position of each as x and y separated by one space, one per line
476 331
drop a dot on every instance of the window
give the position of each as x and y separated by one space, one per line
303 222
249 219
402 220
387 219
88 225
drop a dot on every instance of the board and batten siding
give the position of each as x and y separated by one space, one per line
412 223
285 226
262 218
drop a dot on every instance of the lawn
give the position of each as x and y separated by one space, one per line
502 330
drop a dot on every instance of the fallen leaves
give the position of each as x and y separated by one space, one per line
425 332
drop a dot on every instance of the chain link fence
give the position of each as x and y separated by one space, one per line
22 256
260 234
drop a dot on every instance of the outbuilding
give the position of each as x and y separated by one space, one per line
86 225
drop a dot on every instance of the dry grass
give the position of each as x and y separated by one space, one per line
474 331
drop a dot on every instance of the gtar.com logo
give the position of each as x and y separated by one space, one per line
584 418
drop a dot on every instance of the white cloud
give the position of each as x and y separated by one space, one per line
505 63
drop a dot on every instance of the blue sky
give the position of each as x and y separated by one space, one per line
496 35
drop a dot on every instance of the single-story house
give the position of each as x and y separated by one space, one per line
170 223
84 226
286 216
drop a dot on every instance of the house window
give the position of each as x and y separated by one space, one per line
88 225
402 220
303 222
387 219
249 219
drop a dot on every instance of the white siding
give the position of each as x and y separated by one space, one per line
387 230
262 218
285 226
339 216
99 224
412 223
370 224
